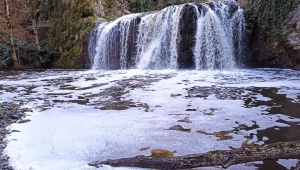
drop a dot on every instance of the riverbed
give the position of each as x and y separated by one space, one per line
81 116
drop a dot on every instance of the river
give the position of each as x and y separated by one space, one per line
80 116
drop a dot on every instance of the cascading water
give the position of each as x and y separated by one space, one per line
167 38
108 50
157 39
216 32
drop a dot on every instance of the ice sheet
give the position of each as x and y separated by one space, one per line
68 135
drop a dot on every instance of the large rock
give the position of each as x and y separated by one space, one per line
187 31
292 30
268 52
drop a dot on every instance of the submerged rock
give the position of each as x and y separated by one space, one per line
24 121
144 149
179 128
186 120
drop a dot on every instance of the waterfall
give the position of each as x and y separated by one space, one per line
207 36
157 39
110 46
219 36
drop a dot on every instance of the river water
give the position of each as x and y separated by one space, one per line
81 116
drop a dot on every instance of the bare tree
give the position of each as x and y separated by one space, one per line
12 44
32 5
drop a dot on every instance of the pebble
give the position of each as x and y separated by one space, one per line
9 113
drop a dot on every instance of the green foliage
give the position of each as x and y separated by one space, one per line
150 5
67 59
48 9
70 21
145 5
27 53
5 55
31 57
270 16
47 57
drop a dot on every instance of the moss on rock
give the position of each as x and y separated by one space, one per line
70 24
269 30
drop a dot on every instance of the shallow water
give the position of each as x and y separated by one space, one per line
87 115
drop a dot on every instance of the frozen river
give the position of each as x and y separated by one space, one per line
82 116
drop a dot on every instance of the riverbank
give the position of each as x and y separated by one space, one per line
10 113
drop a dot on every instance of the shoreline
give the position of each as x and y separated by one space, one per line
10 112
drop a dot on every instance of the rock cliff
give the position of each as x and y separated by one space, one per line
274 34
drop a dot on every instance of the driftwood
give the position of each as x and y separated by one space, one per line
224 158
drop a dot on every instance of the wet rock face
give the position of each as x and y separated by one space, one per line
232 7
188 26
294 41
84 60
115 8
133 31
284 54
115 56
292 30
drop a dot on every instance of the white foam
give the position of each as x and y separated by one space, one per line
68 136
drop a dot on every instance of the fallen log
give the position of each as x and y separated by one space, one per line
224 158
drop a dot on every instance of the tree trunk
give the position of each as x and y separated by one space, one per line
35 31
34 25
224 158
12 44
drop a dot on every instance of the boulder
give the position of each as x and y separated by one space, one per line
187 31
284 52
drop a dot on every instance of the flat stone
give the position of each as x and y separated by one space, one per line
179 128
186 120
15 131
160 153
24 121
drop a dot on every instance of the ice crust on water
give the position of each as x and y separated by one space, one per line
68 135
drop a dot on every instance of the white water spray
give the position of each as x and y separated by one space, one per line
111 35
157 39
212 46
151 40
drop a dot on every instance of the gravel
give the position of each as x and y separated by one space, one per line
10 113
